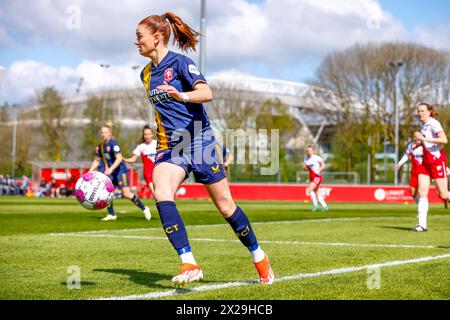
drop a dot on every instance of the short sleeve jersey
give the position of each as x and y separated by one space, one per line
313 164
432 152
176 120
107 153
415 154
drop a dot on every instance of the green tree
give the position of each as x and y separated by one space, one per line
53 114
364 84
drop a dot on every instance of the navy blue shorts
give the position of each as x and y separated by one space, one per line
205 163
120 179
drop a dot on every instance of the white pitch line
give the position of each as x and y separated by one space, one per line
162 294
334 244
224 224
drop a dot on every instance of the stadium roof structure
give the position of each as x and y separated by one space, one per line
314 107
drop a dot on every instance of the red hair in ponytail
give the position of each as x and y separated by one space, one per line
184 36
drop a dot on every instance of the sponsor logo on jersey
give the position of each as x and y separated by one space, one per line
193 69
157 95
168 74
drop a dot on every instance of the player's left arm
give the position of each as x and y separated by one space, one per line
322 166
114 166
201 93
229 159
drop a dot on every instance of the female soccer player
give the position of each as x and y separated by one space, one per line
433 139
186 142
314 164
414 152
109 161
147 151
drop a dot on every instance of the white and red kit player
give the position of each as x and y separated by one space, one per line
314 164
433 139
147 152
414 152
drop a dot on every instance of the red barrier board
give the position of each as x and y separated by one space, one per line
293 192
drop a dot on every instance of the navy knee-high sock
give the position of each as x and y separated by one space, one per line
243 229
138 202
173 226
111 209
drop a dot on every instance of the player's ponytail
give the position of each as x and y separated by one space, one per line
184 36
433 112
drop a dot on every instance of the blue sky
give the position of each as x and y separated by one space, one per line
281 39
415 12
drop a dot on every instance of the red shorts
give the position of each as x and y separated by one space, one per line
414 181
436 170
148 178
316 179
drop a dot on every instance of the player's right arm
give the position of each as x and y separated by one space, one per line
402 161
131 160
405 157
94 164
136 154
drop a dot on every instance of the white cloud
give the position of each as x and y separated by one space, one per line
281 32
437 37
274 36
28 78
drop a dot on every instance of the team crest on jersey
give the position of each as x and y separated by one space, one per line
168 74
108 149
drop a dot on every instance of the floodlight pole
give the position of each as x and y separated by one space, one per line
13 152
202 36
104 66
396 66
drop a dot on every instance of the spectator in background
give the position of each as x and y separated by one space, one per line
51 188
42 189
24 186
2 185
70 184
11 186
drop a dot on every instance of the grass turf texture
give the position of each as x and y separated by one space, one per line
33 262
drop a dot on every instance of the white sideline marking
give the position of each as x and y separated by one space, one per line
336 244
161 294
224 224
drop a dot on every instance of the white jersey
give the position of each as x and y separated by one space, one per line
313 163
431 130
416 154
148 150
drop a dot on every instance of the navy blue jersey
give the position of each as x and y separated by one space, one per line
107 154
171 115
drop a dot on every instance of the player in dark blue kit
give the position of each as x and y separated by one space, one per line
186 142
109 161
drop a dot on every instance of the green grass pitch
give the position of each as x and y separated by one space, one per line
310 253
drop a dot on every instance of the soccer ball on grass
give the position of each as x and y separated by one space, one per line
94 190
